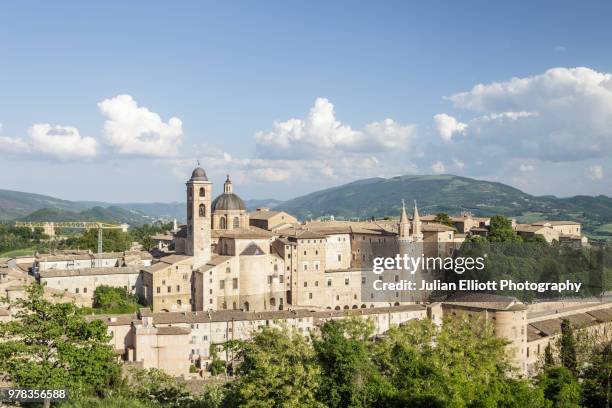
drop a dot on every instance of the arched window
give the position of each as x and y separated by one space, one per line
236 222
246 306
190 193
234 305
202 210
202 192
222 223
272 302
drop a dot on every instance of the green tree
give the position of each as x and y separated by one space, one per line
156 386
112 240
278 370
460 364
597 379
560 387
567 347
444 219
51 345
349 377
500 230
549 360
108 299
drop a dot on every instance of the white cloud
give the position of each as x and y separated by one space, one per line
595 173
53 141
525 168
447 126
322 135
561 115
62 142
438 167
135 130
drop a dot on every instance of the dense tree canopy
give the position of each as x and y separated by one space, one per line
51 345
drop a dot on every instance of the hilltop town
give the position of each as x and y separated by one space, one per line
228 272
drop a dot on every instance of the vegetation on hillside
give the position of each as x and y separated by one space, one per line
13 238
380 197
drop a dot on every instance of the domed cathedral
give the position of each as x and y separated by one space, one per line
198 242
228 210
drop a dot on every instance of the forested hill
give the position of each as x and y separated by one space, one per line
380 197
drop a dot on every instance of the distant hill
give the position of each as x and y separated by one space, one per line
15 204
380 197
109 214
374 197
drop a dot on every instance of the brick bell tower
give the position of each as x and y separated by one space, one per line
199 192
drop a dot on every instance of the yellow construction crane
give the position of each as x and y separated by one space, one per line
50 226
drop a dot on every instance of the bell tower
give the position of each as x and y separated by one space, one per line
199 191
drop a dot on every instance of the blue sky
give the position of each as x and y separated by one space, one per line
356 89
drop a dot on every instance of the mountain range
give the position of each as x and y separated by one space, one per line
373 197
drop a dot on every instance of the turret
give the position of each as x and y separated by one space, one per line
416 224
404 223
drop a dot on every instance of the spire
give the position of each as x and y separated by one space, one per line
415 215
403 215
227 186
404 224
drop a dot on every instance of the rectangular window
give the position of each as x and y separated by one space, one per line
339 257
310 295
235 283
316 283
84 290
221 284
305 267
178 288
305 284
281 278
169 289
329 282
346 281
77 290
363 280
158 289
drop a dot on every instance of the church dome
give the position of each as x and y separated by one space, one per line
199 174
228 201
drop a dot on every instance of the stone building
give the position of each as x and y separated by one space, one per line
271 220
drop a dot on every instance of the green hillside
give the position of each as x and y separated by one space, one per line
16 204
379 197
110 214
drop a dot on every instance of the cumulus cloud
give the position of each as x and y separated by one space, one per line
53 141
564 114
320 134
135 130
447 126
63 142
438 167
595 173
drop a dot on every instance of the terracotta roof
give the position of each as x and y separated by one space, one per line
436 227
214 261
172 330
56 273
245 233
485 301
555 222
